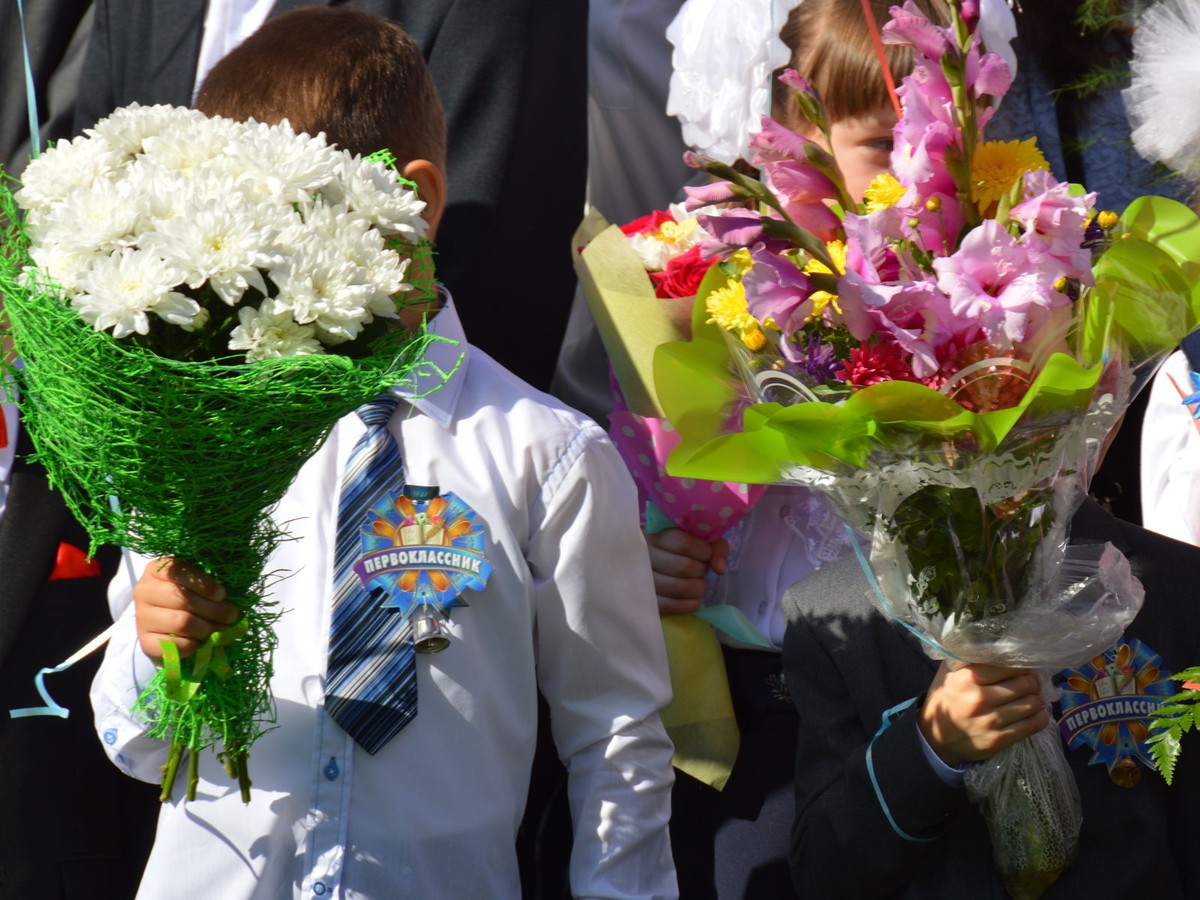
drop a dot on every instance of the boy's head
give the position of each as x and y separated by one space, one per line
354 76
832 48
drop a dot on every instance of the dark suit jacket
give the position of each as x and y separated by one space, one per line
56 32
71 825
845 663
512 78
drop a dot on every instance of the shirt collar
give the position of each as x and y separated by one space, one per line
435 386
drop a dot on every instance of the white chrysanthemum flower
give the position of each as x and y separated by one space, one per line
323 288
270 332
78 163
387 271
219 244
374 191
188 150
97 219
62 264
128 128
119 291
288 166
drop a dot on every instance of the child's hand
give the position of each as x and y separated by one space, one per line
177 602
973 712
681 562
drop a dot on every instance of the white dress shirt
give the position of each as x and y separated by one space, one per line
1170 459
226 24
570 607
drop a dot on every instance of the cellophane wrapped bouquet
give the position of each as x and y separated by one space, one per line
195 303
943 361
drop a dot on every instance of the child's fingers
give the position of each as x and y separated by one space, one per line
186 576
671 607
678 542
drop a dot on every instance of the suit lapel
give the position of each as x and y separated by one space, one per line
33 520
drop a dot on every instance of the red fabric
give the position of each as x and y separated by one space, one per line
3 431
73 563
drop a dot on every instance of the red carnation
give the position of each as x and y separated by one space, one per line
682 276
875 362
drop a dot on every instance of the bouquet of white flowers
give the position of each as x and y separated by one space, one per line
195 303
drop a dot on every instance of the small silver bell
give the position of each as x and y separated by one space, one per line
429 630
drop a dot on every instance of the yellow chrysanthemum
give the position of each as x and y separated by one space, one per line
997 166
837 253
883 191
727 308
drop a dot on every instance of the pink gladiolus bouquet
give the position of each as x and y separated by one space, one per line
944 357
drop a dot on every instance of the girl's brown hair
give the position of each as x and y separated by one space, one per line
832 47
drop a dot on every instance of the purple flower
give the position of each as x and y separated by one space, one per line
819 362
776 289
732 229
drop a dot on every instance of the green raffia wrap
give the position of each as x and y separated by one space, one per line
183 459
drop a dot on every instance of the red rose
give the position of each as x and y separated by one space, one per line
682 276
647 224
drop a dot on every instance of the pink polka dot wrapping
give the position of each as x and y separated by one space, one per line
706 509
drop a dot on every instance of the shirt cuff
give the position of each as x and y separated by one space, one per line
951 776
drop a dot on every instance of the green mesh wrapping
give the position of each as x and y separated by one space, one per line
183 459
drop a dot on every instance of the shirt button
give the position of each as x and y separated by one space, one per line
331 770
319 888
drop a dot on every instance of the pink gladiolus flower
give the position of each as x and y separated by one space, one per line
1055 222
707 195
910 26
996 282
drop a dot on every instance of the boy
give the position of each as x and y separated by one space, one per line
847 663
568 607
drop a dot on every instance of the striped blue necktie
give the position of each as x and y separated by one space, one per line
371 680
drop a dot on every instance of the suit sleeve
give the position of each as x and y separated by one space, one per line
843 844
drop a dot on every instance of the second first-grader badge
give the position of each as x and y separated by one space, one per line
1108 704
423 549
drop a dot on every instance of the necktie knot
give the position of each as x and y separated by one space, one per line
379 410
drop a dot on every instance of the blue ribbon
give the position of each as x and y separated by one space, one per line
35 137
888 716
887 606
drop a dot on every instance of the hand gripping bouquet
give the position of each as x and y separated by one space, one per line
943 362
195 303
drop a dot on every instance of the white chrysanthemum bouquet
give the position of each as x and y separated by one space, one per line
186 294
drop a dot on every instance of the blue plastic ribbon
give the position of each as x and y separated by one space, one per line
887 606
35 138
888 716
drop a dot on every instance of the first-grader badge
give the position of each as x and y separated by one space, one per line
423 549
1108 704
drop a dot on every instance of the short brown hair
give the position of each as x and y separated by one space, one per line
353 75
832 47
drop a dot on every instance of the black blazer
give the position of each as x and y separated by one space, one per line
845 663
73 826
512 78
